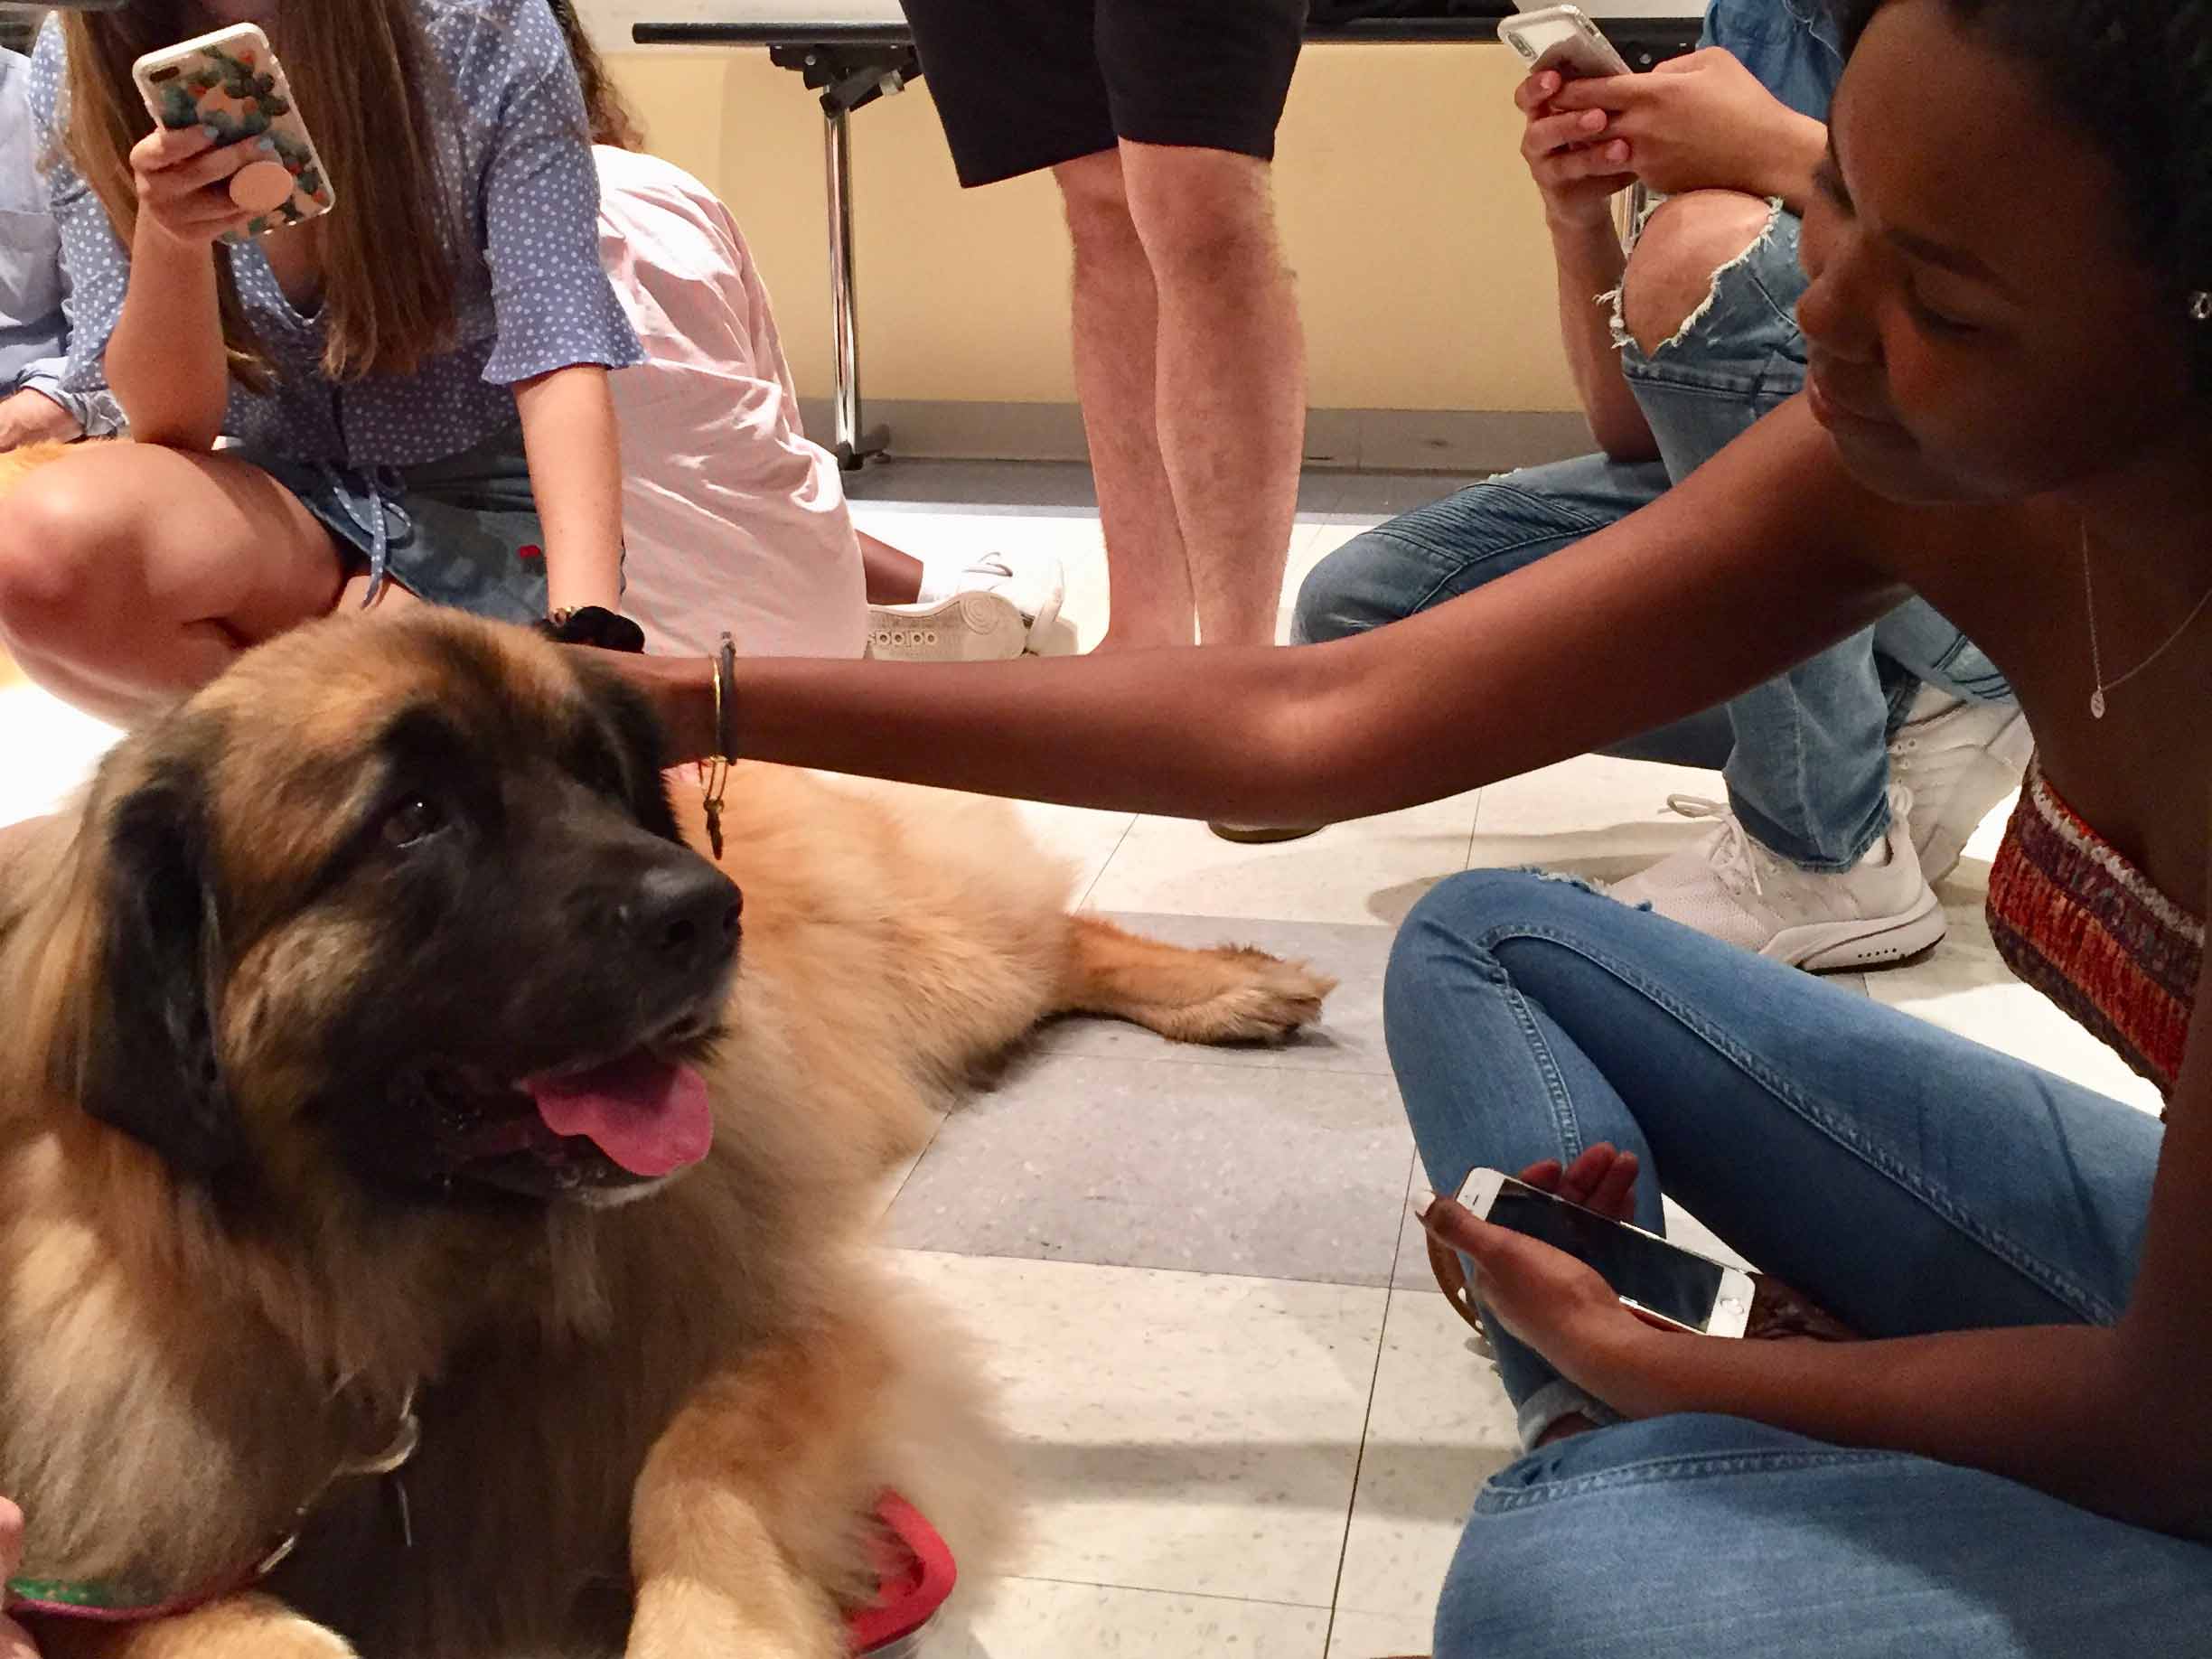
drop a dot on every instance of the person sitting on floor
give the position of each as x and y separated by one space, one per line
34 406
724 498
2009 409
1694 337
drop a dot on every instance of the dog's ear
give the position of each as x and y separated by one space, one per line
144 1058
638 734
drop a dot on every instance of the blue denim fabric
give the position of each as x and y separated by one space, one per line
1790 45
1906 1178
464 533
1714 1538
1807 762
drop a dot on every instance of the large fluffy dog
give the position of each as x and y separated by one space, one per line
361 1041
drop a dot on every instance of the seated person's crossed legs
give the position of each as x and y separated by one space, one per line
1806 864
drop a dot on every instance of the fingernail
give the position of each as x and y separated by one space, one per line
1421 1203
267 146
210 130
1592 121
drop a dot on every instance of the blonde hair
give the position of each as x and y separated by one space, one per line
361 73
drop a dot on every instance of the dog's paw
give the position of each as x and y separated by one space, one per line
1261 998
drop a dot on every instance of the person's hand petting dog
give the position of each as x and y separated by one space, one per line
14 1640
1700 122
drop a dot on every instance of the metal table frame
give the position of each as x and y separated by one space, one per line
853 64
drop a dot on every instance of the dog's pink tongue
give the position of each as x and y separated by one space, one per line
650 1117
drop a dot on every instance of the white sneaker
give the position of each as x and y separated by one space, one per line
1033 584
965 628
1728 886
1959 758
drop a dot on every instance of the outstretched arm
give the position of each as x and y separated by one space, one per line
1748 567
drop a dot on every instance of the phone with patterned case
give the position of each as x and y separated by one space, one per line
230 82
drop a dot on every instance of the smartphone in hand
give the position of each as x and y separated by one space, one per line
230 82
1661 1280
1560 37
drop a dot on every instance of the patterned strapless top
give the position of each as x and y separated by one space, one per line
2085 927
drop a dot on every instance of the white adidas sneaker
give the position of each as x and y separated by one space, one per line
1726 885
1033 585
965 628
1959 758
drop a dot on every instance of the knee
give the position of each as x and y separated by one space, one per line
1207 219
1441 939
1096 201
1686 244
1341 595
56 536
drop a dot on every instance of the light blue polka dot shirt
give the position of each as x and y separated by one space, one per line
533 297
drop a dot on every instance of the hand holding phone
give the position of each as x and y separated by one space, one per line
1655 1279
182 177
229 88
1577 162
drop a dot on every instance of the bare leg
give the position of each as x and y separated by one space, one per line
1117 319
131 575
1232 376
893 577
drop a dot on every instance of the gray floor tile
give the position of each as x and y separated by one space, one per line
1385 495
1205 1168
1348 1039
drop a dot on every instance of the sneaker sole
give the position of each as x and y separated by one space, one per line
1256 835
1056 638
965 628
1838 947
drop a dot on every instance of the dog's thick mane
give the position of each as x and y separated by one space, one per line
132 1296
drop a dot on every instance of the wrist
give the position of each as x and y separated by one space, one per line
1578 225
1789 157
1623 1361
575 581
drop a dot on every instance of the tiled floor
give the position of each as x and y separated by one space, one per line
1247 1423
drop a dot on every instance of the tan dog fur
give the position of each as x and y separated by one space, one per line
695 1397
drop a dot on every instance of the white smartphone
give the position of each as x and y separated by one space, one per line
230 82
1560 37
1658 1279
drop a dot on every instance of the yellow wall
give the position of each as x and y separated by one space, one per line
1423 273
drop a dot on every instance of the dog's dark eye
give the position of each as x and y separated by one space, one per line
414 819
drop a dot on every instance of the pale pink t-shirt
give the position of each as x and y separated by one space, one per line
731 519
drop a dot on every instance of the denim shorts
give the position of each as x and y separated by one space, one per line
464 531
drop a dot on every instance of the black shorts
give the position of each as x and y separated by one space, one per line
1024 84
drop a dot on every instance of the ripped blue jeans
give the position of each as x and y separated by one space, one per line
1806 756
1906 1178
